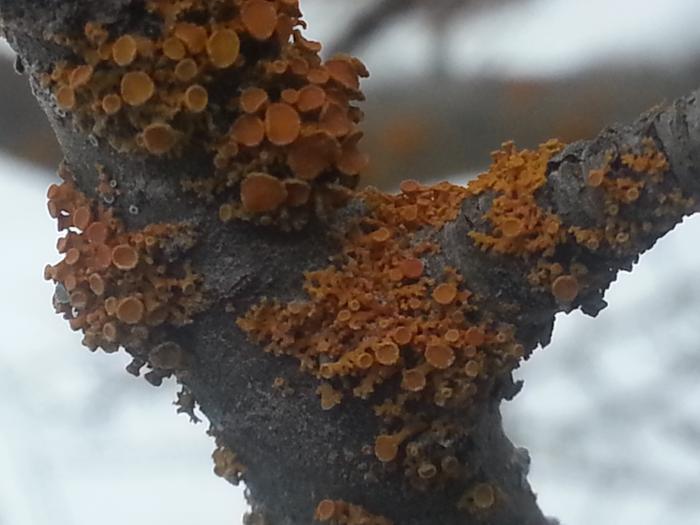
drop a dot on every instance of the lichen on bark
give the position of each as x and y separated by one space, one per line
351 354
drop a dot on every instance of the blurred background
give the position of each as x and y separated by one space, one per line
610 410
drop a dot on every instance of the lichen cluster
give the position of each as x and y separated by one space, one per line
519 226
339 512
234 78
377 325
122 288
621 181
227 465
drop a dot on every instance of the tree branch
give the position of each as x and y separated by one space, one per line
405 314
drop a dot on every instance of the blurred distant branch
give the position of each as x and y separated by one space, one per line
369 22
382 13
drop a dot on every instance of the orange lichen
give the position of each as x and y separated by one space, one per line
330 397
223 47
173 48
445 293
186 69
338 512
119 282
261 193
227 465
248 130
312 155
159 138
386 447
65 98
282 124
515 176
111 104
120 84
565 288
439 355
130 310
124 50
595 178
311 98
413 380
253 99
372 321
80 76
137 88
259 18
325 510
483 496
125 257
196 98
387 353
195 38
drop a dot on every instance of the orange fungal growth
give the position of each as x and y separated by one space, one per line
511 227
253 99
290 96
410 186
387 353
196 98
452 336
65 98
259 18
124 50
159 138
125 257
412 268
82 217
186 69
193 36
97 233
413 380
97 284
318 75
343 72
298 192
248 130
117 85
282 124
445 293
223 47
174 49
137 88
595 178
381 235
472 369
262 193
325 510
311 98
80 76
312 155
484 496
130 310
402 335
565 288
439 355
386 447
111 104
120 284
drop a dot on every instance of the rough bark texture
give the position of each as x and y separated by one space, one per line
297 454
